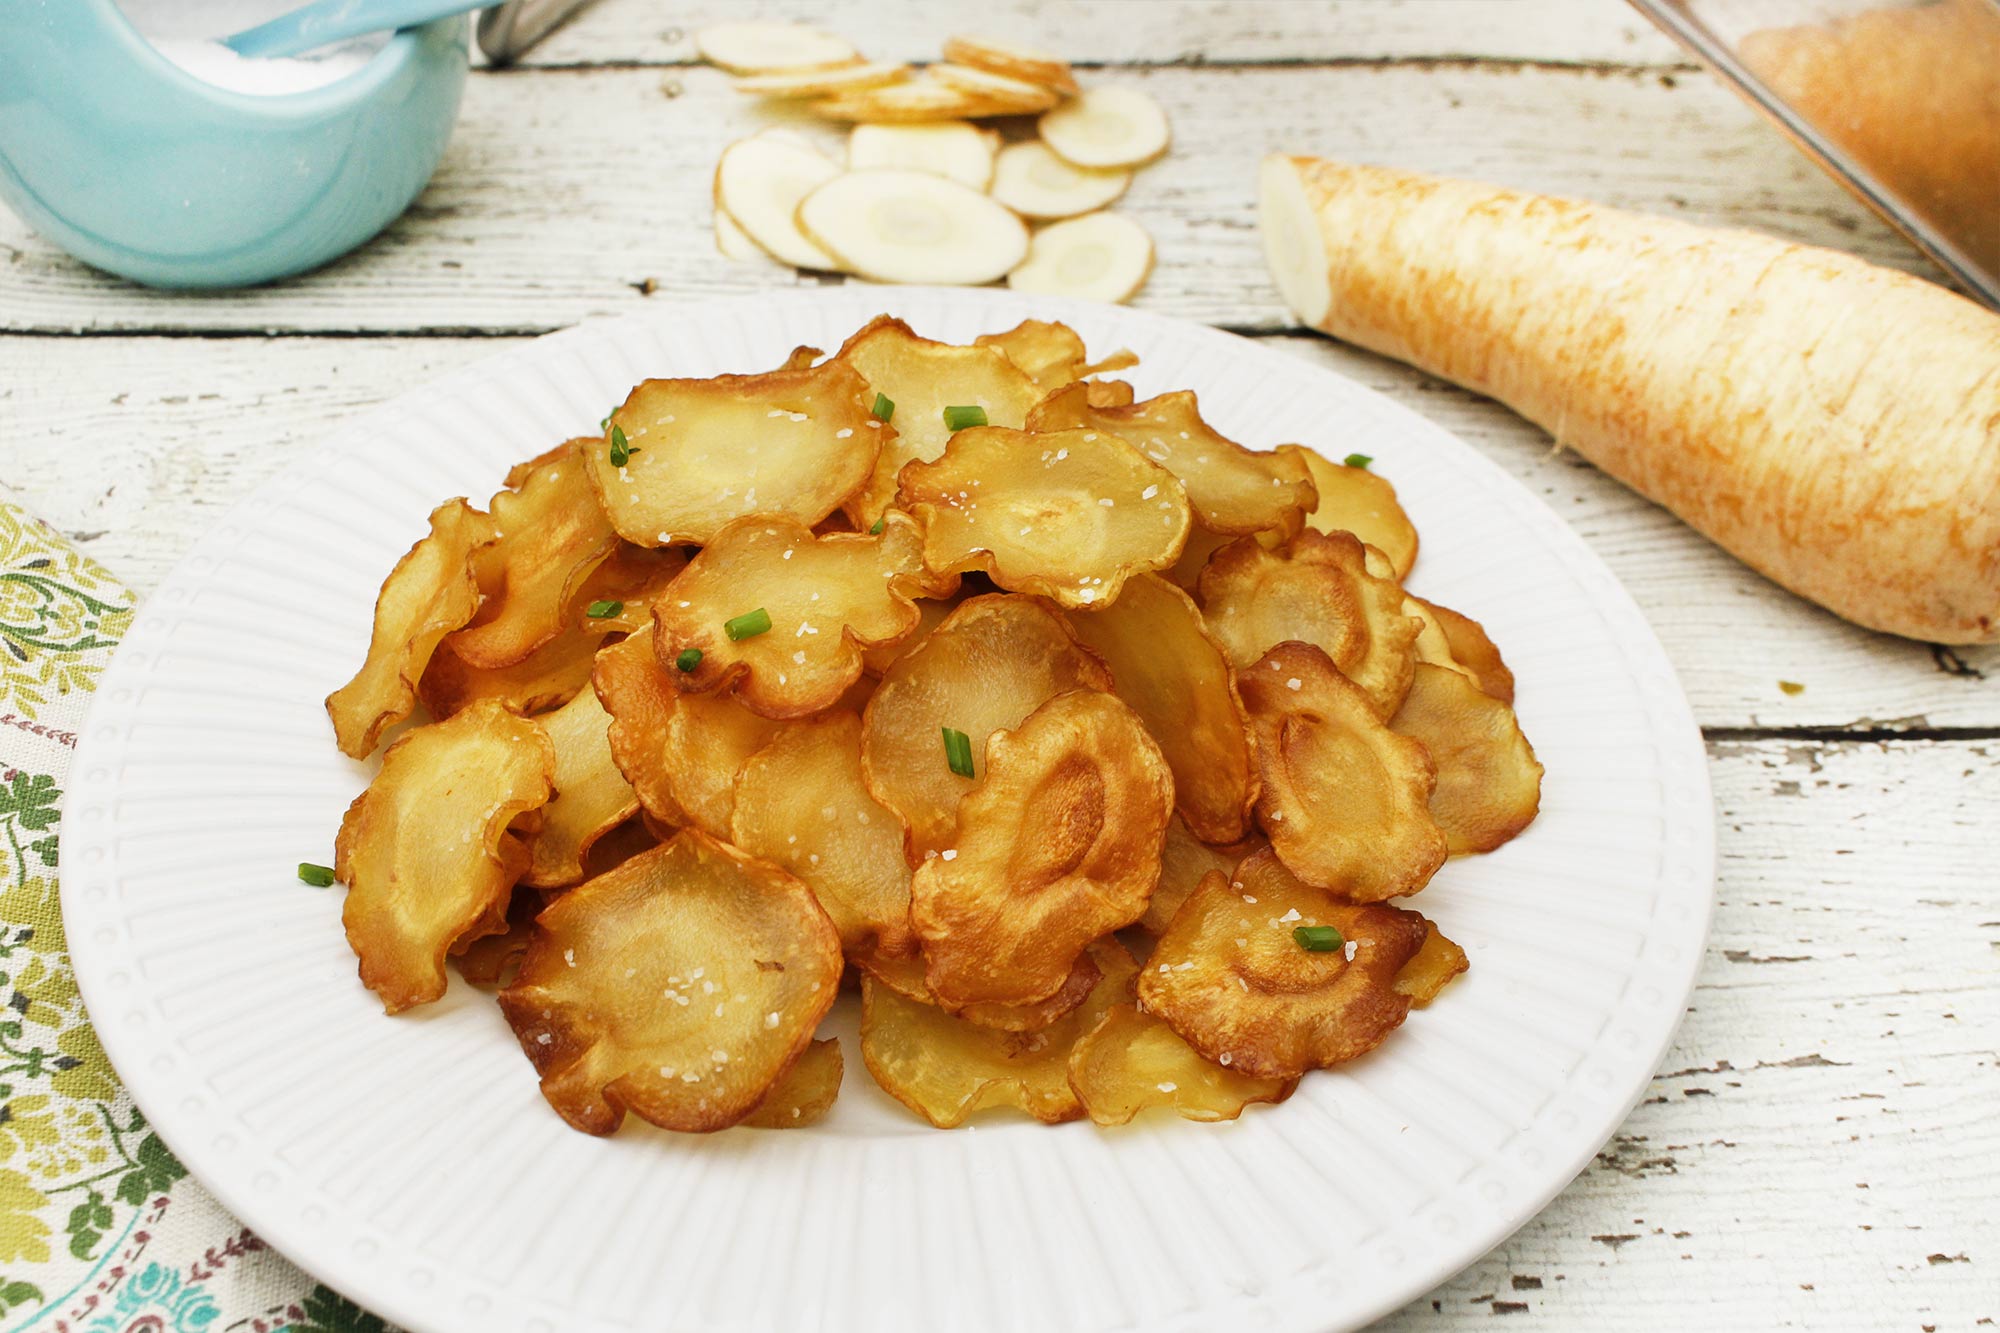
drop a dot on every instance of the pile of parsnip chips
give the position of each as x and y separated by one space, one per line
952 670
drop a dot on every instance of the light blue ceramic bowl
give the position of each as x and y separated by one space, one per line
132 164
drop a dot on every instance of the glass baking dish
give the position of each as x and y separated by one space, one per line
1899 100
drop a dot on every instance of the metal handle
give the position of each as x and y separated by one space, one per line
507 33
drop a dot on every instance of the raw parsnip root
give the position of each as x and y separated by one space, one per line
732 242
912 100
1107 127
1034 182
1102 257
910 226
1020 97
824 82
760 181
757 47
955 149
1016 62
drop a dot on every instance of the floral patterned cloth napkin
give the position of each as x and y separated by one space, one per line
101 1230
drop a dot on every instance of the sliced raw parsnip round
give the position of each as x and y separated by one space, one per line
592 796
1112 126
1098 257
1434 967
1057 846
1069 515
759 181
895 225
1354 499
1034 182
1026 63
955 149
1489 783
757 46
1019 96
924 98
1132 1061
1184 861
828 82
1345 800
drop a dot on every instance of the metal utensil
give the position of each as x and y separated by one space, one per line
506 33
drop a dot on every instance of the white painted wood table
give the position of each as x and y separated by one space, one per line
1822 1146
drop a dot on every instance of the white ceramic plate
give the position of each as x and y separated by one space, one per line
410 1162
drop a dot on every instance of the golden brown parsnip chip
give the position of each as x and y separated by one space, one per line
1201 544
780 616
1058 845
946 1069
1184 860
1177 678
1472 650
1315 590
1345 799
546 678
905 976
431 592
1356 500
425 852
1233 979
930 614
1108 393
490 959
680 987
807 1091
1230 489
1489 783
1069 515
592 796
922 378
703 453
640 700
993 661
801 803
623 589
1132 1061
1436 965
621 845
1050 354
553 536
517 475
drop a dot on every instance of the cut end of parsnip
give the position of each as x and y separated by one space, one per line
823 82
1102 257
734 243
897 225
759 47
760 181
954 149
1018 95
1026 63
1107 127
1035 183
1292 244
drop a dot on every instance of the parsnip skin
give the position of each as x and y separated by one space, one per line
1833 424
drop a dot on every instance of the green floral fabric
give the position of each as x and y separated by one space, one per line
101 1230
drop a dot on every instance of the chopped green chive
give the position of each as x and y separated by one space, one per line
599 610
748 625
875 528
688 659
958 418
621 452
1357 460
603 422
1317 939
958 751
884 407
320 877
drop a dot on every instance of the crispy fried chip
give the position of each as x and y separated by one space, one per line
801 803
1058 845
592 796
1232 978
681 987
992 662
1201 544
432 591
1177 678
1184 860
622 591
1107 393
1345 800
1132 1061
1489 783
1230 489
546 678
705 452
1315 590
781 616
1436 965
1356 500
805 1094
553 536
905 976
946 1069
1069 515
1472 651
931 613
490 959
425 852
620 845
1050 354
922 378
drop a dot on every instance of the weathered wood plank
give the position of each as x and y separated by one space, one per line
564 192
1149 32
136 445
1819 1150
